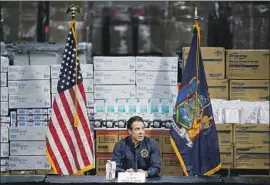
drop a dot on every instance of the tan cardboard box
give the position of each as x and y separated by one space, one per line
101 160
251 156
226 156
156 135
213 60
171 165
44 172
218 89
22 172
105 140
253 134
247 64
166 143
249 90
225 133
122 134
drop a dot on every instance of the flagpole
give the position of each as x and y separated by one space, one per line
196 26
73 9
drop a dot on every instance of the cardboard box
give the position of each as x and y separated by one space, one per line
157 63
156 78
166 143
250 90
213 61
156 91
27 148
101 160
114 91
251 156
30 101
226 156
27 133
114 63
171 165
3 79
89 99
28 162
86 69
4 94
122 134
247 64
4 108
225 134
28 87
114 77
29 72
218 89
105 140
252 134
157 136
4 135
4 150
23 172
4 64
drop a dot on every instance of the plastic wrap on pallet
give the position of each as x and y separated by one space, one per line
217 112
249 112
263 114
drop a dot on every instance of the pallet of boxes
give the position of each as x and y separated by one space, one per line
248 74
27 106
128 86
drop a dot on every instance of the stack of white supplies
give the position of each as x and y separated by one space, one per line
29 86
87 74
218 110
5 120
114 87
249 112
263 114
27 148
156 82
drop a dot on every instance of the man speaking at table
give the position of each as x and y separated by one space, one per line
136 152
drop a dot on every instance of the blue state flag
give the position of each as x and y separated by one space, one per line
193 135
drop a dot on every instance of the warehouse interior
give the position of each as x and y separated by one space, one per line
132 56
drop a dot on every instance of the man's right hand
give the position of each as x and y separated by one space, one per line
130 170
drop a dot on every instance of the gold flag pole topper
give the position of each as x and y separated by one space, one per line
73 9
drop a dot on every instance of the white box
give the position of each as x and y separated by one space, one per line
28 163
5 119
27 147
87 71
4 168
4 161
32 123
23 117
114 63
4 125
30 101
156 78
4 64
32 111
4 94
33 72
114 91
89 99
4 149
88 85
156 91
114 77
3 79
4 109
27 133
157 63
4 135
28 87
13 118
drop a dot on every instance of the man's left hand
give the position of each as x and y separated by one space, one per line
146 173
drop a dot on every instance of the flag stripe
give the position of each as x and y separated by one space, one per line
58 156
70 112
53 158
65 131
68 119
60 141
81 132
83 117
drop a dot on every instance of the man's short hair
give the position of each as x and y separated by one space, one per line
132 120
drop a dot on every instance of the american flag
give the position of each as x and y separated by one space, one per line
70 145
